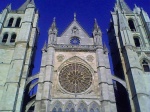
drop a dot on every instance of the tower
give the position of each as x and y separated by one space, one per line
75 73
18 36
129 39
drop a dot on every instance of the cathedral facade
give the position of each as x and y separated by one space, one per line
75 73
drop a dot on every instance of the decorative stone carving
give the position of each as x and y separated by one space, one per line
75 30
75 78
60 57
90 58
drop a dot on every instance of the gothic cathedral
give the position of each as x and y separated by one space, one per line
75 73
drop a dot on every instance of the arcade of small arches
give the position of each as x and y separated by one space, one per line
71 107
10 37
14 22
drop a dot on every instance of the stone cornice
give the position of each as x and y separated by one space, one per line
77 47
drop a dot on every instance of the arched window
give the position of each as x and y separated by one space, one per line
59 110
97 110
82 107
10 22
91 110
131 25
84 110
54 110
145 66
18 22
94 107
137 42
69 107
72 110
66 110
79 110
13 38
5 37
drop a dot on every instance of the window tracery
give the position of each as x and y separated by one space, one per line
70 107
82 107
94 107
57 107
75 40
75 78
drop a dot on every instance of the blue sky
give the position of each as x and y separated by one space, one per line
63 10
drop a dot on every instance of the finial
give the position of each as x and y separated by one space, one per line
54 19
74 16
95 20
9 7
96 24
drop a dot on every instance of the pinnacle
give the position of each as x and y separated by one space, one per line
75 16
24 6
123 6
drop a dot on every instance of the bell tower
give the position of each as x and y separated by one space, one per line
129 38
18 36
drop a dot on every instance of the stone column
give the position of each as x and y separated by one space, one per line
47 82
106 88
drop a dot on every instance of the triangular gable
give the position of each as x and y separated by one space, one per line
75 29
74 24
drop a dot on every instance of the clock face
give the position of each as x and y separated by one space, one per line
75 41
75 78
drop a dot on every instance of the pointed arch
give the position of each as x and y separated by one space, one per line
94 107
82 106
69 107
122 97
57 106
76 59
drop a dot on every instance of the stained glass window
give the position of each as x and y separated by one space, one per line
75 41
75 78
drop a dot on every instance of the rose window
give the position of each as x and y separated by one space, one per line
75 41
75 78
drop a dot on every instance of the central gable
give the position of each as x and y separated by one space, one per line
75 33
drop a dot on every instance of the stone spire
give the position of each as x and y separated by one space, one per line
123 6
96 30
9 7
75 16
97 34
53 28
24 6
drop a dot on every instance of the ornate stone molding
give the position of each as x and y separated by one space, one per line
75 47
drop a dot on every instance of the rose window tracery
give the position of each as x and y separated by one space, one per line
75 78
